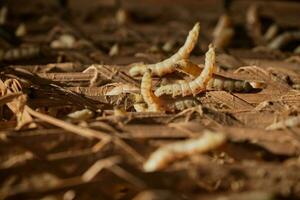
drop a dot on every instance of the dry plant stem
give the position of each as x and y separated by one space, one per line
152 101
288 123
9 97
19 53
166 66
284 39
197 85
98 166
84 132
173 151
223 32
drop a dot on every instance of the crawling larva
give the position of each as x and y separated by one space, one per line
197 85
173 151
288 123
19 53
228 84
152 101
223 32
283 39
218 82
166 66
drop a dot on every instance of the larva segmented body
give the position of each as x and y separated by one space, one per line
166 66
228 84
19 53
183 104
218 82
173 151
195 86
150 99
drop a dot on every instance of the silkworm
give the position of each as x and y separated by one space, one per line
223 32
177 150
283 39
288 123
152 101
166 66
195 86
19 53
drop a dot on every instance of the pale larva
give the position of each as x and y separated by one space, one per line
173 151
152 101
195 86
166 66
19 53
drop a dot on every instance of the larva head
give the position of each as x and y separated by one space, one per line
210 57
196 28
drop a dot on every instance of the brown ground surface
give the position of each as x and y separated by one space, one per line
50 162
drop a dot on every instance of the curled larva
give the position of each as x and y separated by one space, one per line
287 123
152 101
195 86
223 32
19 53
173 151
284 39
166 66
